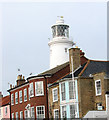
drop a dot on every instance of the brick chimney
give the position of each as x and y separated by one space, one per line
20 80
74 55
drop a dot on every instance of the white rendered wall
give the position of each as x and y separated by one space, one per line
58 55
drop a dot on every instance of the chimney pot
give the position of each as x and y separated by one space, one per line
10 86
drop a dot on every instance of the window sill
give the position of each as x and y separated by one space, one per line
39 95
98 94
55 100
20 102
31 96
25 100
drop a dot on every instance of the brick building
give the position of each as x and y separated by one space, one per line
29 97
4 107
90 85
71 87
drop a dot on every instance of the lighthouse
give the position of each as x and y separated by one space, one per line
60 43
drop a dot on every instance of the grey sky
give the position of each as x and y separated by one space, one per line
26 29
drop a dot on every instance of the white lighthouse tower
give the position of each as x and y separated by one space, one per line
60 43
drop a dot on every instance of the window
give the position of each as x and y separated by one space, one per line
32 112
65 50
39 88
56 113
29 93
73 111
99 106
12 115
16 97
64 115
26 114
6 111
0 111
40 112
98 87
31 90
72 90
55 94
12 99
63 91
16 115
20 96
25 94
21 114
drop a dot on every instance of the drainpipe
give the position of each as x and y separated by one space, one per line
10 106
46 96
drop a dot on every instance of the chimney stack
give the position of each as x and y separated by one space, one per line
74 55
20 80
10 86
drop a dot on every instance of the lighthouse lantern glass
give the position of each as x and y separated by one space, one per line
60 31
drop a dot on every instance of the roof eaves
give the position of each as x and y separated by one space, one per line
17 86
43 75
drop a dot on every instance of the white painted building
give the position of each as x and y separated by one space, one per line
60 43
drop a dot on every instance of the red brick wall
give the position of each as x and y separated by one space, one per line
34 101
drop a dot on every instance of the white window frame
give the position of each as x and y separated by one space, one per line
29 93
75 106
64 91
54 113
36 110
0 111
96 87
31 112
6 109
54 100
38 94
31 88
21 116
25 91
16 97
62 111
20 96
12 115
73 91
17 117
12 99
25 113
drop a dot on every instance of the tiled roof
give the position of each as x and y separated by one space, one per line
56 69
93 67
52 71
76 73
5 101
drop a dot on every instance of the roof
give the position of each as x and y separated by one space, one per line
94 66
52 71
96 114
5 101
76 73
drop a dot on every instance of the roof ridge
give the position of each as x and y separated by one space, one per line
99 60
84 68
